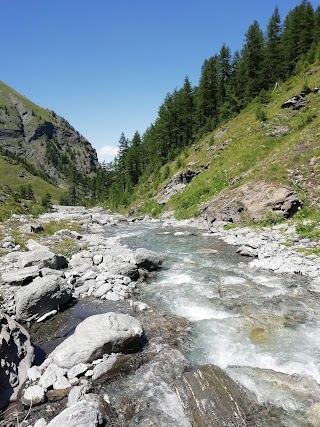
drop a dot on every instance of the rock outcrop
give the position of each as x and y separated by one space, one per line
42 138
253 200
16 355
97 335
296 102
175 185
212 399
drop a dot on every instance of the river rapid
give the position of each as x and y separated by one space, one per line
261 328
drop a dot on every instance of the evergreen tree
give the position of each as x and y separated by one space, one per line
207 95
273 69
252 62
298 35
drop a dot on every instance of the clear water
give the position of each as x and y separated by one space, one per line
263 329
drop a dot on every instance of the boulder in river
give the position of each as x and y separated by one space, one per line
16 355
212 399
97 335
148 260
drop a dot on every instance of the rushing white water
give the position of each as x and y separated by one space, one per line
262 328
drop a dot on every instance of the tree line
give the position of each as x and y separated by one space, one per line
228 82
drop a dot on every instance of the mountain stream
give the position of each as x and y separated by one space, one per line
261 328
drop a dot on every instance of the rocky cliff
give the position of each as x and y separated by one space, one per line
42 139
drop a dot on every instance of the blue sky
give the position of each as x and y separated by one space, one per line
106 65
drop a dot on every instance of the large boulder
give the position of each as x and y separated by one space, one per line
253 200
82 414
42 258
148 260
97 335
42 295
16 355
20 277
211 398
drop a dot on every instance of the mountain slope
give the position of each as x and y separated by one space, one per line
41 139
264 142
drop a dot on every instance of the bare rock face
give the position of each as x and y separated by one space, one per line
175 185
212 399
16 355
253 200
97 335
296 102
42 138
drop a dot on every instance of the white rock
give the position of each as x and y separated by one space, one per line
50 376
97 259
79 415
103 289
112 296
34 373
41 423
95 336
61 384
47 315
33 395
76 370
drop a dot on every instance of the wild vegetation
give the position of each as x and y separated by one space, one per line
231 126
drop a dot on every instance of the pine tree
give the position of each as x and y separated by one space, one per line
273 68
207 95
252 62
298 35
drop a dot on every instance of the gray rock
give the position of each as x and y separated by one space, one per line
97 335
76 370
76 394
175 185
103 289
296 102
20 277
105 366
61 384
125 269
33 395
41 296
50 376
16 355
211 398
148 260
42 258
254 200
112 296
82 414
247 251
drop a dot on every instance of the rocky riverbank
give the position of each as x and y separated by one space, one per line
120 363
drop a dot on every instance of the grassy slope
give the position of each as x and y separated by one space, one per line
40 114
9 176
251 154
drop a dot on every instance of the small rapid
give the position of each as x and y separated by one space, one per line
261 328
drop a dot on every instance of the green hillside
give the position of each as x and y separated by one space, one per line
264 141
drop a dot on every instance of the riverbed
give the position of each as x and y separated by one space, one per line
262 328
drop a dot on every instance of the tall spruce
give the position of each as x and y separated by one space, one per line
252 62
274 67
